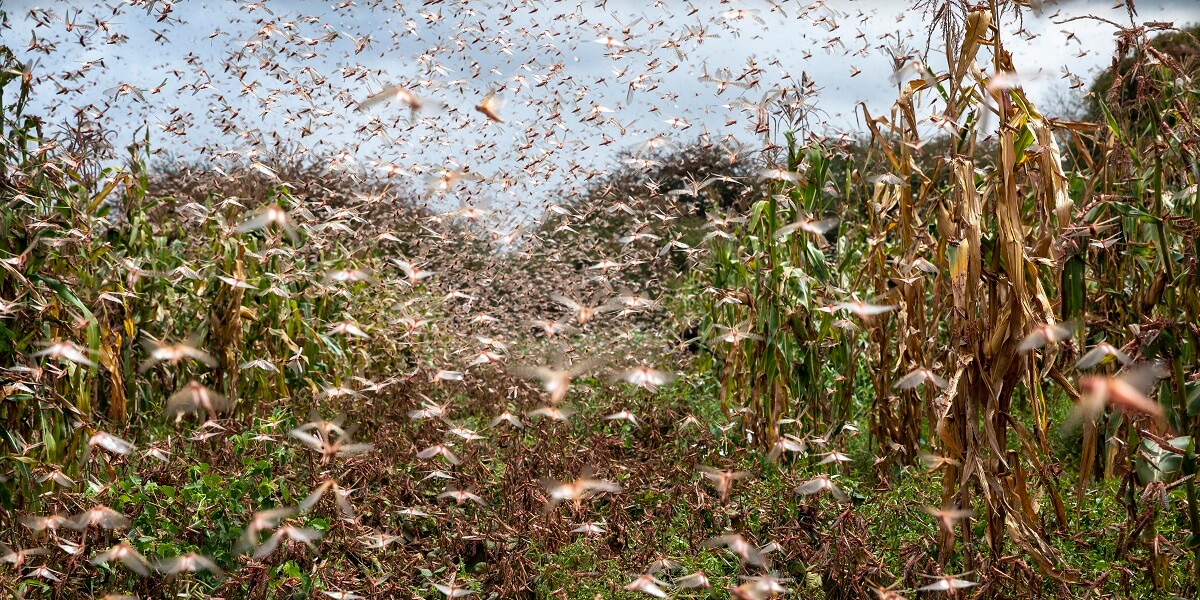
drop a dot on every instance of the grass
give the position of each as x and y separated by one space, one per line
201 499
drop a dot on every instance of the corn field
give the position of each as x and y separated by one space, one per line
954 355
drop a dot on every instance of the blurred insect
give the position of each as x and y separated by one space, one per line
934 462
99 516
303 535
507 417
817 227
947 517
451 589
111 443
194 398
348 276
412 101
583 488
550 328
648 584
1047 333
44 572
887 593
268 216
439 450
412 273
429 410
66 351
490 107
1092 230
944 583
341 496
376 541
863 309
647 377
1126 392
261 520
555 381
173 354
758 588
17 557
347 328
834 457
918 376
553 413
781 175
462 497
746 551
1099 353
738 14
693 581
331 442
583 314
47 523
340 595
786 443
723 480
623 415
124 553
737 333
188 563
822 483
590 529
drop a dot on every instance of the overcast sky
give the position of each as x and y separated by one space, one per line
259 74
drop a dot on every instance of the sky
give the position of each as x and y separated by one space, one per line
580 81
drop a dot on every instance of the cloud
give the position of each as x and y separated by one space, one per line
251 79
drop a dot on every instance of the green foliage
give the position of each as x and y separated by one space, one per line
1137 77
769 276
93 259
964 255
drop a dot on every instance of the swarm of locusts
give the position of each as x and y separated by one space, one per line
379 321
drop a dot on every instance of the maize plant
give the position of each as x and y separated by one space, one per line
1000 297
94 277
